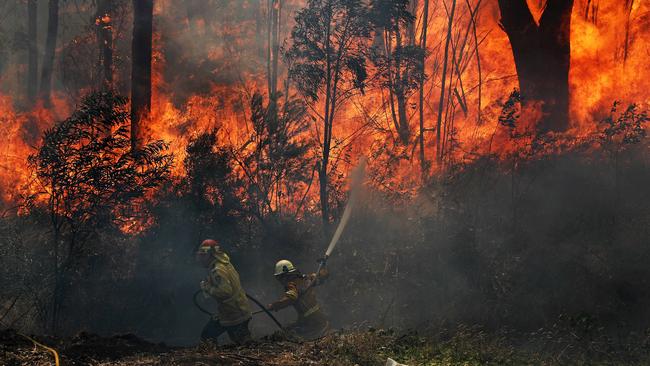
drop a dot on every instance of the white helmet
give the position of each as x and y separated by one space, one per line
284 266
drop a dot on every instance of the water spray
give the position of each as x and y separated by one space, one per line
356 180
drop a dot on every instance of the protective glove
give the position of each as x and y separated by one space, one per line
205 287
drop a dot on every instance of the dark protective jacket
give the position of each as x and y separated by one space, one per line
223 285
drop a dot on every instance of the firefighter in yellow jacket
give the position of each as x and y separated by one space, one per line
301 294
222 284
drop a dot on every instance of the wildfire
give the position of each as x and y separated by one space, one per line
608 62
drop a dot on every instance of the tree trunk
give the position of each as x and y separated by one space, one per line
413 8
542 57
32 34
399 84
141 48
443 82
404 130
423 44
103 22
259 27
277 8
629 5
273 54
50 48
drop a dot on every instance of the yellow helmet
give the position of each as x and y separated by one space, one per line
284 266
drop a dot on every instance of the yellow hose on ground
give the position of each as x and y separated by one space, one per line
51 350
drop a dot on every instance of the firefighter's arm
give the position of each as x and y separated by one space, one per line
288 299
319 278
217 286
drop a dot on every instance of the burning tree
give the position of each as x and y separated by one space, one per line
399 61
50 50
32 34
104 31
92 181
542 56
141 48
327 65
274 159
210 185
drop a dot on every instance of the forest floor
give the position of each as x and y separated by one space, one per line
465 346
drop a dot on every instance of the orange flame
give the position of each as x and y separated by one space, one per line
608 62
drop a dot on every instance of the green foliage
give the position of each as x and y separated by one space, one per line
622 130
399 64
391 14
92 183
88 172
274 158
466 346
510 111
328 46
209 179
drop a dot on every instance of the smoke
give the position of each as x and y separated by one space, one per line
496 243
560 237
356 180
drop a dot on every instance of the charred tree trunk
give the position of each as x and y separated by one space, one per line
141 48
413 8
397 78
443 83
50 48
274 8
399 83
276 43
32 34
629 6
103 22
259 27
542 56
423 44
273 51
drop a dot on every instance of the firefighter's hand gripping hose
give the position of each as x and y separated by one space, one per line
251 298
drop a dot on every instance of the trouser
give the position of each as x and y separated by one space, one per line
311 327
239 334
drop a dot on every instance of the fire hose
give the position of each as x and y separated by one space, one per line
263 309
356 179
49 349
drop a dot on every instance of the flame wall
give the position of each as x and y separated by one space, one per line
207 65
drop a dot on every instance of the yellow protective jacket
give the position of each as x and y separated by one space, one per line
301 294
223 285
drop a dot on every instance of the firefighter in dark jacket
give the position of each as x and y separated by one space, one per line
300 293
222 284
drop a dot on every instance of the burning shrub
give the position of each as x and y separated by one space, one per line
274 158
91 180
622 130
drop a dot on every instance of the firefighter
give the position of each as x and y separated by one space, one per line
222 284
300 293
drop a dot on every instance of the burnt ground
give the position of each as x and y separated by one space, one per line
463 346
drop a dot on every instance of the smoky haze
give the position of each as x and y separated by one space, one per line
557 239
499 242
